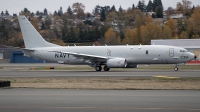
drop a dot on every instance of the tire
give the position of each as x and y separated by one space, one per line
98 68
175 69
106 68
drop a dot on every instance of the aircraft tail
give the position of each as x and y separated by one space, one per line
32 39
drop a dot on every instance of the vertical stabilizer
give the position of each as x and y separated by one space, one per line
32 39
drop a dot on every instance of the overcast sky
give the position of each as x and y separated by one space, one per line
15 6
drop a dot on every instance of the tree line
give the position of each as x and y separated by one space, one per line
106 25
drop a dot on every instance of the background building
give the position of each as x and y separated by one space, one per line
9 55
192 45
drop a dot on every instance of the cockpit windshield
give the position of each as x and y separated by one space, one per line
183 51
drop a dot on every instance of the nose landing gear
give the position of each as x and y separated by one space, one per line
176 69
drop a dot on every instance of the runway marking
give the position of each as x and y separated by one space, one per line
167 77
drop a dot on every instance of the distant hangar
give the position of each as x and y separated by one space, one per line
192 45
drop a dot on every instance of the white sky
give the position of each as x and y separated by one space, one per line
15 6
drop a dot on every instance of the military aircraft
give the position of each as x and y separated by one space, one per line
127 56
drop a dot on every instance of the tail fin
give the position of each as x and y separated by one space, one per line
32 39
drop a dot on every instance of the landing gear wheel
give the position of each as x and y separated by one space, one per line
98 68
106 68
175 69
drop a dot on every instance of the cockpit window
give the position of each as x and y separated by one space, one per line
183 51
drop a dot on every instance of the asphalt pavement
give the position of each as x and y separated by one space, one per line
64 100
63 74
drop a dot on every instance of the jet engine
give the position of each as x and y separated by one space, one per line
116 63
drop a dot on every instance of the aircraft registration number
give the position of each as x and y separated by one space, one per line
183 57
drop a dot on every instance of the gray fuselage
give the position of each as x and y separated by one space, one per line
142 54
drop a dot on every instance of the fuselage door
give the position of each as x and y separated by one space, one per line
171 52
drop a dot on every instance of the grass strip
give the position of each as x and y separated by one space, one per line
153 83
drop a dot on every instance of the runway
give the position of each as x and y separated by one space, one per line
23 71
63 74
62 100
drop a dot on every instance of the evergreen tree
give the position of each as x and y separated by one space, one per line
144 6
121 35
81 35
133 7
45 12
192 9
2 13
156 3
150 6
103 15
90 36
160 3
70 36
14 15
141 5
153 15
97 33
32 14
26 10
60 12
97 10
107 9
159 12
37 13
47 24
43 26
88 15
7 13
113 8
55 13
69 10
120 9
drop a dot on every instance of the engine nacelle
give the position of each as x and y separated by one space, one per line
132 66
116 63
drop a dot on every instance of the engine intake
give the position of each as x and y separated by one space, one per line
116 63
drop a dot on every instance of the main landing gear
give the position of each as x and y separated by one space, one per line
99 68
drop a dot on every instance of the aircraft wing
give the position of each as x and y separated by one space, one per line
84 56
